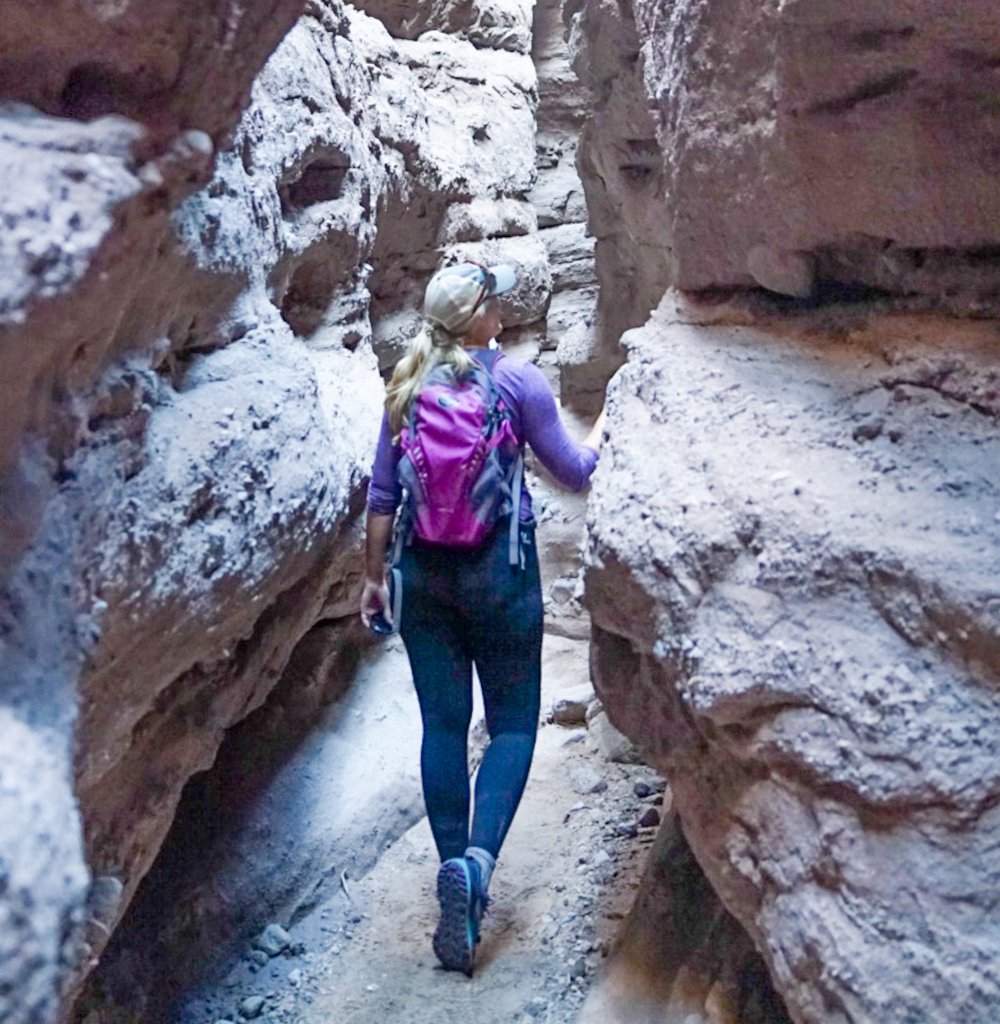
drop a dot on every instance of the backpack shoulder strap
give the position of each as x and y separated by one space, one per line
488 359
515 555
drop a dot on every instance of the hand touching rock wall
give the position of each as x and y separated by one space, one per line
794 528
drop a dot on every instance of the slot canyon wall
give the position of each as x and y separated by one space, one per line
216 225
794 533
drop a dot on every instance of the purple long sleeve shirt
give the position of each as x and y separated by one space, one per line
535 418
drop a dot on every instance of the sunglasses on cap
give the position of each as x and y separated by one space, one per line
488 286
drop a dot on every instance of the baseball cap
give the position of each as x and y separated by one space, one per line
455 293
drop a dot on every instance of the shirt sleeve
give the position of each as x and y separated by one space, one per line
384 491
570 463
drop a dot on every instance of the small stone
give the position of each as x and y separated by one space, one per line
295 978
647 787
869 430
578 968
614 745
626 829
151 176
197 142
273 940
585 779
650 819
601 858
570 706
259 957
251 1007
224 1021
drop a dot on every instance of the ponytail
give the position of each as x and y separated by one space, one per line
432 346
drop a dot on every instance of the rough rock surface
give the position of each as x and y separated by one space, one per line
813 144
558 196
188 346
621 167
559 201
679 956
160 64
795 541
493 24
795 533
458 122
93 162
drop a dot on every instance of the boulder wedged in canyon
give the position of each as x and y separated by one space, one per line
794 547
188 350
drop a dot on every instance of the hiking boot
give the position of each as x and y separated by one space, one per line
462 904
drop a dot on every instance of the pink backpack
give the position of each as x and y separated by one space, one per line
461 466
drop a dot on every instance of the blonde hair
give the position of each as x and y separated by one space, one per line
432 346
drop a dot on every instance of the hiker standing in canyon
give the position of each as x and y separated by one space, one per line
467 587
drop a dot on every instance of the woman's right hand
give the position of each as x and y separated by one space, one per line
375 599
595 439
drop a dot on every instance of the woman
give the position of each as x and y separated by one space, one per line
463 607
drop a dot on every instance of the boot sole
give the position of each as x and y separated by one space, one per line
455 939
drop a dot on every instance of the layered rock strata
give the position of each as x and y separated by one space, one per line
188 340
622 170
558 199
